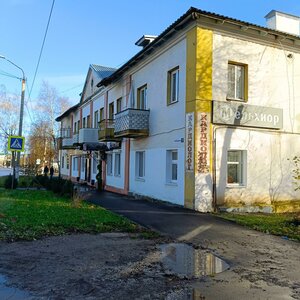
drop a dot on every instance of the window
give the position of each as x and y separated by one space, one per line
68 161
236 162
84 122
78 126
119 105
237 82
140 164
111 111
75 163
109 164
142 97
82 163
173 85
75 127
101 114
62 161
95 163
88 121
96 119
172 166
117 164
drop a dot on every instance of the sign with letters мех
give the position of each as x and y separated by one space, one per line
242 114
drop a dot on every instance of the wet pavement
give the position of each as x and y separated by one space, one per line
11 293
184 261
262 266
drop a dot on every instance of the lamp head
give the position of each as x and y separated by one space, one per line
1 56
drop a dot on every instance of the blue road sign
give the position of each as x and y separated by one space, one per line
16 143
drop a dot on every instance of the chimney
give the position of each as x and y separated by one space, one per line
145 40
283 22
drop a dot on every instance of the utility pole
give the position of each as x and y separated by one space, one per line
21 122
16 169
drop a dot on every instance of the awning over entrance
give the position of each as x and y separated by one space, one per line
94 147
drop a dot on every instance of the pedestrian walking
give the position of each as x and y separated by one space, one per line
46 170
51 172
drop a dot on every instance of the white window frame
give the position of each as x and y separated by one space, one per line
117 164
95 162
109 164
75 164
67 162
82 164
142 96
140 165
169 166
174 86
241 164
236 89
96 119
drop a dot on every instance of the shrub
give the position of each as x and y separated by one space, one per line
8 182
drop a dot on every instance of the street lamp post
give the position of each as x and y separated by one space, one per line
21 112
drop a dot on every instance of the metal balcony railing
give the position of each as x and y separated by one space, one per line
88 135
106 130
132 123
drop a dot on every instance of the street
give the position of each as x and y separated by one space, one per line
5 171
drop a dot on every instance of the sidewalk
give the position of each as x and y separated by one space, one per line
262 266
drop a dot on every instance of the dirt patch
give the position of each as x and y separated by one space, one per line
103 266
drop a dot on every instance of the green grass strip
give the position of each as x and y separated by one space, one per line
30 215
285 225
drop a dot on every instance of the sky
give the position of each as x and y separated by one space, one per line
84 32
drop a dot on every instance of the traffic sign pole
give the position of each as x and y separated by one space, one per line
20 125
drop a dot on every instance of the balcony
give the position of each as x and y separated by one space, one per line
65 140
132 123
106 131
75 139
88 135
67 143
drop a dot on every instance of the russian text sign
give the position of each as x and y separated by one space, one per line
242 114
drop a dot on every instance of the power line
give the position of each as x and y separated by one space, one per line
45 35
9 75
72 88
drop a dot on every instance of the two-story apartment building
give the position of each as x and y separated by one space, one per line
206 115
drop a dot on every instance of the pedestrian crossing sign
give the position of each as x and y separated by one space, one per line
16 143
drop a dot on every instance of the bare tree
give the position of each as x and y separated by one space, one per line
44 131
9 115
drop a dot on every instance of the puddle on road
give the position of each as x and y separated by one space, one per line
185 294
9 293
186 262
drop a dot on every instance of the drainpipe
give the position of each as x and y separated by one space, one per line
214 167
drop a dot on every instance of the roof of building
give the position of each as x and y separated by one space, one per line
72 108
103 71
191 15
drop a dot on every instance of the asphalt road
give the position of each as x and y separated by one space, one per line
262 266
5 171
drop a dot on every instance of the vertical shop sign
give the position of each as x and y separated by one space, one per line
203 143
189 137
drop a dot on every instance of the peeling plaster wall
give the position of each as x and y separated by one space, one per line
268 170
272 82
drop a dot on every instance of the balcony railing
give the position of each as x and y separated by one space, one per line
106 130
65 133
132 123
67 142
75 139
88 135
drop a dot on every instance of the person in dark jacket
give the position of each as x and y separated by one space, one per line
46 170
51 171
